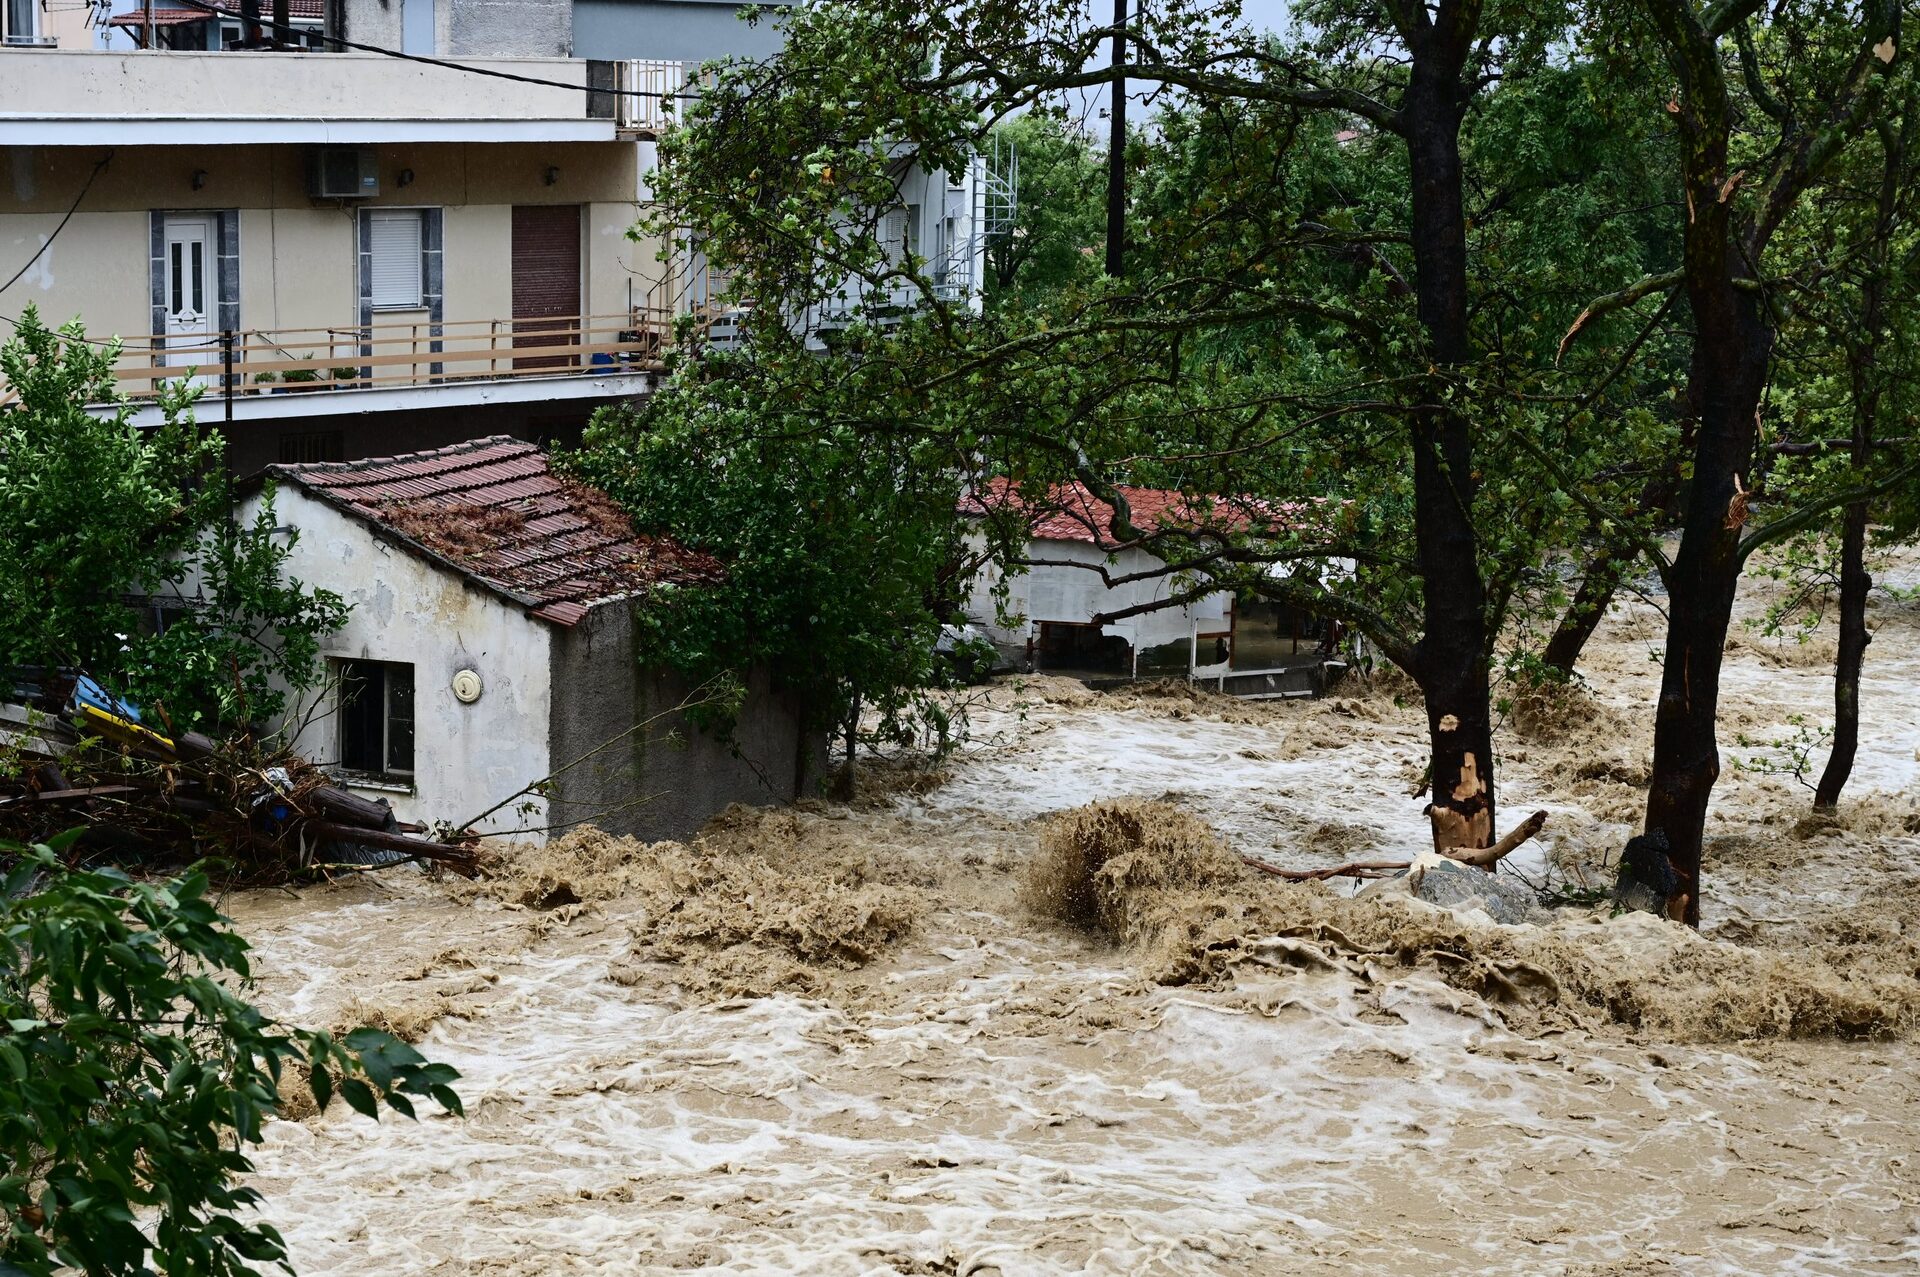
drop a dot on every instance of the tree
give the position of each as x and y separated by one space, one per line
99 517
134 1074
841 548
1058 222
1306 311
1738 188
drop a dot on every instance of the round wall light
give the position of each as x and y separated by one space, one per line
467 686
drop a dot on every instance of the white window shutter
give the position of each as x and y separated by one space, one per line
394 238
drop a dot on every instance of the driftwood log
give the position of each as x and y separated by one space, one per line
1479 857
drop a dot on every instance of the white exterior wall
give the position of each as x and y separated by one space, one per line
466 757
1077 594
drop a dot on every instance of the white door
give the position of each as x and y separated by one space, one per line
189 279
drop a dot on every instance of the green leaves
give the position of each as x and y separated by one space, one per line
840 544
134 1074
95 514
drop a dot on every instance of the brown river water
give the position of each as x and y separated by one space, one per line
835 1040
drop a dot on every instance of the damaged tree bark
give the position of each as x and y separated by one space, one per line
1450 662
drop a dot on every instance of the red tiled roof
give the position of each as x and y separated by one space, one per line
161 18
492 510
166 16
1071 512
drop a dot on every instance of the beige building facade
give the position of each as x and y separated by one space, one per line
403 238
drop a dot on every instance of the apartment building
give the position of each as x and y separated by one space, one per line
356 254
351 254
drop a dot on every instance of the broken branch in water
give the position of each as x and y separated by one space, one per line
1487 857
1478 857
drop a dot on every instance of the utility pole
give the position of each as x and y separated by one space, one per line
146 38
1117 148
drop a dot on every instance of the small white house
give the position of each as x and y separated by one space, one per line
491 646
1042 615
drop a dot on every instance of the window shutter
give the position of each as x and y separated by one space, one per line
394 238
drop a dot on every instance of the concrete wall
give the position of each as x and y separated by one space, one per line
647 784
297 255
466 757
670 30
471 28
63 83
253 445
510 28
1077 594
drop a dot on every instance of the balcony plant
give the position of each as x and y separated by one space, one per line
299 379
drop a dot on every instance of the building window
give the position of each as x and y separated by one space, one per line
376 719
23 22
394 241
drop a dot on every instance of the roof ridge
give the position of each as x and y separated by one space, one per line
369 464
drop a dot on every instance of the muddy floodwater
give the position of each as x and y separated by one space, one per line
839 1039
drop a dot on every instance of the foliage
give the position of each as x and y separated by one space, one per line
840 546
1265 340
251 633
134 1074
98 517
1059 224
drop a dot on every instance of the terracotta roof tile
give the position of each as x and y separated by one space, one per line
1070 512
169 15
492 510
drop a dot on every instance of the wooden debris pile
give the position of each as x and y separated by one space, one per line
140 796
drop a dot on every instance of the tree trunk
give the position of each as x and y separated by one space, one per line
843 785
1450 661
1732 347
1582 617
1866 386
1854 585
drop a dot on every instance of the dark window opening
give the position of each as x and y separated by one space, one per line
376 718
1065 647
1272 635
320 445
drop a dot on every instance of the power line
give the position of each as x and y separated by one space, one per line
289 29
71 210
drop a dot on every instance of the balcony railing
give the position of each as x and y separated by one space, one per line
647 88
246 364
395 355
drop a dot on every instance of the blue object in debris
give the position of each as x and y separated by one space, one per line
88 692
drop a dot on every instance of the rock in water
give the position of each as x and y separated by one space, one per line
1460 888
1646 882
1456 886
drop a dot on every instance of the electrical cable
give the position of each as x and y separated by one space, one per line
71 210
221 11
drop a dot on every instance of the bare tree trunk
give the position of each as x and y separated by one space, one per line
1583 614
843 785
1866 385
1732 347
1854 586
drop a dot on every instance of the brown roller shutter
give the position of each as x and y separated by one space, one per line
546 281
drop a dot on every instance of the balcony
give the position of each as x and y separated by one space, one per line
85 97
261 374
258 374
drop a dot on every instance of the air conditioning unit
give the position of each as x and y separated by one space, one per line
343 173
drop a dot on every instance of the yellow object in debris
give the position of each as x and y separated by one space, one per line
114 727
